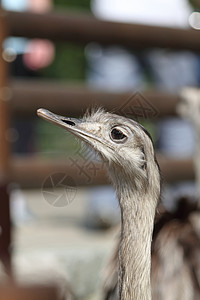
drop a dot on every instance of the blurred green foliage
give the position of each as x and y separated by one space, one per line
195 4
72 4
151 127
53 140
69 63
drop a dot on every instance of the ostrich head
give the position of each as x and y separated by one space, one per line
124 145
127 149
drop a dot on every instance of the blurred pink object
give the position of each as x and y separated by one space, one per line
39 54
40 6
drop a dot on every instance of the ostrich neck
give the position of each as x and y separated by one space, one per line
137 214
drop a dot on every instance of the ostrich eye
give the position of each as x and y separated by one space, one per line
117 135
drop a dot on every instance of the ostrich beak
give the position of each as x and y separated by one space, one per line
77 127
61 121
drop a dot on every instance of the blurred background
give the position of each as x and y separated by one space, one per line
59 216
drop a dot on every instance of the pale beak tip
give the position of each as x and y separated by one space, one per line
41 112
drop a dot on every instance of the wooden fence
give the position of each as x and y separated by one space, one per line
21 97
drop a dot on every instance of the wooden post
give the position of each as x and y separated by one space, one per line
5 227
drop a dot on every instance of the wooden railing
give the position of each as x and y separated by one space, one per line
26 96
172 170
83 28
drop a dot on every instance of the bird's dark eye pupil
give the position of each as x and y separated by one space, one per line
117 134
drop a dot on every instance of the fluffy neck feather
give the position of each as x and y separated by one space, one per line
138 199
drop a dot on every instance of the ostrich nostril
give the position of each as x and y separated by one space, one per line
69 122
